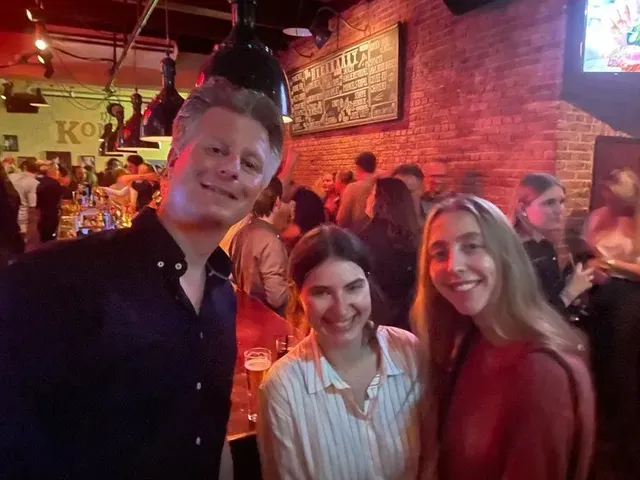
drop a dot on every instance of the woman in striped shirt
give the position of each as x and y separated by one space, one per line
343 404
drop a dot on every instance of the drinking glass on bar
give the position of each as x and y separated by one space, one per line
284 345
256 363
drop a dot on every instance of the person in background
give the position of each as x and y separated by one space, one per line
331 197
538 218
354 198
65 181
133 162
108 177
611 233
258 255
90 175
344 403
49 193
392 236
142 190
98 383
509 393
413 177
308 213
343 178
26 185
10 165
436 177
11 242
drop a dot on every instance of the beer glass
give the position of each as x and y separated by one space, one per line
256 363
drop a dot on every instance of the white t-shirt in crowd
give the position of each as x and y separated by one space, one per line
26 184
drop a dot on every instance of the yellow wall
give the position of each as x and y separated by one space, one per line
69 125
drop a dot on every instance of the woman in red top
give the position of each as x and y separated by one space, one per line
509 395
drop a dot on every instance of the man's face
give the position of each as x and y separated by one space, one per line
132 167
225 164
414 184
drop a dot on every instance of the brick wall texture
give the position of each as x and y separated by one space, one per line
481 91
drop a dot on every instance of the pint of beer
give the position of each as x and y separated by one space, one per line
256 363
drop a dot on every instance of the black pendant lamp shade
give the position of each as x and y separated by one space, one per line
108 140
129 140
246 62
157 122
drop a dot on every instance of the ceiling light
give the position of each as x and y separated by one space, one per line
39 100
246 62
6 90
297 32
320 27
129 140
157 122
35 14
41 38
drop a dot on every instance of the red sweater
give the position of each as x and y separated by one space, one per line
511 416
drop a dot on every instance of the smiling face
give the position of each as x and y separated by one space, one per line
546 212
336 301
460 266
221 170
328 184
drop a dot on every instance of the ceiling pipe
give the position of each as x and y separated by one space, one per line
142 21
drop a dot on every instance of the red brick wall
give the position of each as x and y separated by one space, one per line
481 91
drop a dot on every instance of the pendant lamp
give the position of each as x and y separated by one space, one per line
129 140
39 100
246 62
157 122
107 141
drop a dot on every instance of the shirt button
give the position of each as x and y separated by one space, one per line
201 335
178 266
198 386
160 264
198 441
555 258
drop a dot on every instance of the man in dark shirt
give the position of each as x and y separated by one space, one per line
118 350
49 194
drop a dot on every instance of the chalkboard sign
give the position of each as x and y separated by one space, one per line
354 86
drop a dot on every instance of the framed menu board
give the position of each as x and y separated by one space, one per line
356 85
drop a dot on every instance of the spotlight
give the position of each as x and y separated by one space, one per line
320 27
297 32
41 38
7 90
45 58
35 14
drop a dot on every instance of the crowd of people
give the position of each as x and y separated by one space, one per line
32 193
437 336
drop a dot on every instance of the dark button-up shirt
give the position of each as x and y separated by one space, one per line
545 262
106 369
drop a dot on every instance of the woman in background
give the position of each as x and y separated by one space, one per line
308 213
331 197
538 219
612 233
509 394
392 236
343 404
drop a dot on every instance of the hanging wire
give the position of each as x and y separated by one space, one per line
166 26
80 57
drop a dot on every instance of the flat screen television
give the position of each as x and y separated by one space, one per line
602 61
611 36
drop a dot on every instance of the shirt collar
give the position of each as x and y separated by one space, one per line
320 375
167 254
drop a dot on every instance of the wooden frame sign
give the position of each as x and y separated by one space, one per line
356 85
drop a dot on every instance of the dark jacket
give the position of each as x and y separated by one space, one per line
394 271
544 258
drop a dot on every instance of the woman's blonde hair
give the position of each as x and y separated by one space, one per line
520 311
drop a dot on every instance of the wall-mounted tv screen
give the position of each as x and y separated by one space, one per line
612 36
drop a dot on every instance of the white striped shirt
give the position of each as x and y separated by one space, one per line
309 426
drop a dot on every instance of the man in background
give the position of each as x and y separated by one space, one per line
354 198
26 185
49 193
413 177
133 162
258 255
108 177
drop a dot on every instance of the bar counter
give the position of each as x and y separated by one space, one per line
256 326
